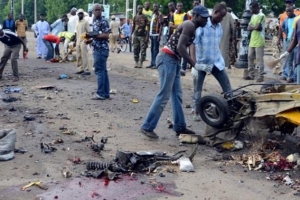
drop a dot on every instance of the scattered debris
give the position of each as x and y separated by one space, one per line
63 76
104 140
188 106
68 132
46 148
293 158
134 100
57 141
113 91
185 165
7 144
66 173
270 145
287 180
29 118
76 160
45 87
232 145
20 150
191 139
9 90
97 147
12 109
37 183
86 139
9 99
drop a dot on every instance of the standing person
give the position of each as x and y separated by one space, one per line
147 11
21 28
295 42
101 52
81 47
178 18
126 28
12 48
58 25
89 18
171 7
41 29
287 28
49 40
168 66
228 36
257 43
155 34
190 12
9 23
115 32
73 19
206 51
140 30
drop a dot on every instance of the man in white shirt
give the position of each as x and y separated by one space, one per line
73 19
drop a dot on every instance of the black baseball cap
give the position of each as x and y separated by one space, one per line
200 10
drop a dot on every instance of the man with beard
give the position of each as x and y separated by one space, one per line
168 66
21 28
41 29
81 47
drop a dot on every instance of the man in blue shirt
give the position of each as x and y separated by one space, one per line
101 51
9 23
207 54
287 28
58 26
126 28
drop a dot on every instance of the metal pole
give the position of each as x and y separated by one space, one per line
103 2
127 7
35 11
244 43
12 8
22 10
134 8
203 2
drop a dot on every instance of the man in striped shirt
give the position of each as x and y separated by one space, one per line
12 47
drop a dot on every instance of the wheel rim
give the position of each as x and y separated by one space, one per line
212 112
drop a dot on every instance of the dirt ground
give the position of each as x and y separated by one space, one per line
69 106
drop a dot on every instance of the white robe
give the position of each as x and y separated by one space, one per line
73 19
41 29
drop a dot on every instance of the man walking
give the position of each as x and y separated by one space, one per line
101 52
41 29
21 28
12 48
126 28
206 51
140 30
168 66
9 23
58 26
155 34
81 47
257 43
115 32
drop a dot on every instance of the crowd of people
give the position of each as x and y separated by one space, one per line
204 41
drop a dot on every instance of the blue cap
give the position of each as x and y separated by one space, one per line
200 10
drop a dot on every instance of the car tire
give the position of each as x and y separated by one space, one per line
214 110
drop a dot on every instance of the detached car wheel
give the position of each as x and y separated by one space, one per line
214 110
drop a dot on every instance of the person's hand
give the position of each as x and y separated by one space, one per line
130 38
285 54
259 27
25 49
278 43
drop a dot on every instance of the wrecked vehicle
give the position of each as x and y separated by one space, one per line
275 107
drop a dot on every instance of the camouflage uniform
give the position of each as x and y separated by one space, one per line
139 39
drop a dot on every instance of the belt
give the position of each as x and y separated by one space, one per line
168 54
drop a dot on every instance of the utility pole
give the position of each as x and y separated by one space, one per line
35 11
12 8
134 8
203 2
127 7
244 43
22 10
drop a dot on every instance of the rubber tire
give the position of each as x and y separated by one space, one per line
223 106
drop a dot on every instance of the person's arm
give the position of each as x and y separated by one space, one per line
147 29
54 24
24 46
193 52
133 27
4 24
16 25
26 25
160 30
171 23
56 49
188 30
294 42
280 32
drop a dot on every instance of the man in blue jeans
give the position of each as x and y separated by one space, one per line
100 43
155 34
208 56
168 66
